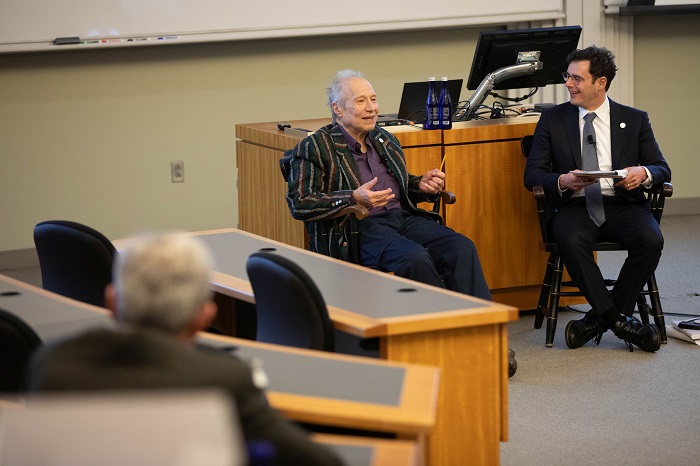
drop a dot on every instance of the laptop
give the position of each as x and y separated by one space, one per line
413 97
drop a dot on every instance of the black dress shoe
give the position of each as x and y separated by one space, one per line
645 336
580 332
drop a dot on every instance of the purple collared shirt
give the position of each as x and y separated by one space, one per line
370 166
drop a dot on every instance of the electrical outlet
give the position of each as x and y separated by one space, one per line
177 171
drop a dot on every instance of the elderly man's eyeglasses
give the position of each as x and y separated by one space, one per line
577 79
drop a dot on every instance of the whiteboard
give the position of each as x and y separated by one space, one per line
33 25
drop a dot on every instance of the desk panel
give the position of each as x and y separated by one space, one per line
502 219
262 190
501 215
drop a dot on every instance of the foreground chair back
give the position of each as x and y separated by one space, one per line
289 306
17 343
551 291
75 260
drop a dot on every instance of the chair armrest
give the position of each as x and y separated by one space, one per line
444 197
286 164
665 189
358 210
668 190
447 197
538 191
656 196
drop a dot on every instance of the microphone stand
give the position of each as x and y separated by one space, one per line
495 77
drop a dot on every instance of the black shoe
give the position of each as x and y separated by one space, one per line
580 332
512 363
645 336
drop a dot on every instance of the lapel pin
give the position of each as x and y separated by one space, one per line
622 125
381 140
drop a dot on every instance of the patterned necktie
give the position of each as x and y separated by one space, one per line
594 197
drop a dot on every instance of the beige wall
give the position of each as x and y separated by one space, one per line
89 135
666 70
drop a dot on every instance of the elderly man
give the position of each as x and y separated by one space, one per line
161 299
353 161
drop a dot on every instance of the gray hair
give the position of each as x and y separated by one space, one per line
161 280
334 91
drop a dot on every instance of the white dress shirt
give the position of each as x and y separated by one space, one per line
601 125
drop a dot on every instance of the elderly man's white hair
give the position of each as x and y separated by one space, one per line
334 91
162 280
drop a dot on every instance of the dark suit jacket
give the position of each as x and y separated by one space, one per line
149 359
556 149
323 174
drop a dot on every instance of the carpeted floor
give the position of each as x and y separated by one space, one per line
602 404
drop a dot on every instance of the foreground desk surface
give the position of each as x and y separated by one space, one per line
307 386
465 337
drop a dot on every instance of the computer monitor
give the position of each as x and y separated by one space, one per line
499 49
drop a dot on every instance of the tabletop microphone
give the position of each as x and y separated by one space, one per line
591 139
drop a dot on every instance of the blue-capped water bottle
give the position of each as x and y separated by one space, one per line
445 105
432 107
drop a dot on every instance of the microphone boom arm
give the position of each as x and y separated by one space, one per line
495 77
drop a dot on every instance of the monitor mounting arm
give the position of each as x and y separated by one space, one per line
496 77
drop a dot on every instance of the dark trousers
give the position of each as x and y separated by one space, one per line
416 247
632 226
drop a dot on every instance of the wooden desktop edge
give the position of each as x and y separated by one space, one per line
414 414
267 134
56 297
367 327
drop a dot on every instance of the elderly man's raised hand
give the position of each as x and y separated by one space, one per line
370 199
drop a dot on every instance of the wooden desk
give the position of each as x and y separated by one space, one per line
322 388
465 337
484 167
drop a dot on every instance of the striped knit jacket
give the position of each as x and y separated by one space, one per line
323 174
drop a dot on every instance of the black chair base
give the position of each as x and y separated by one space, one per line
551 292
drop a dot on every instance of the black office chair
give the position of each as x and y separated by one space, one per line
17 344
75 260
289 306
551 291
344 224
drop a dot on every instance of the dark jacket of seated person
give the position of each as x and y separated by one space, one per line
153 348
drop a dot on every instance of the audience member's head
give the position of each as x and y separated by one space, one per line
162 281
